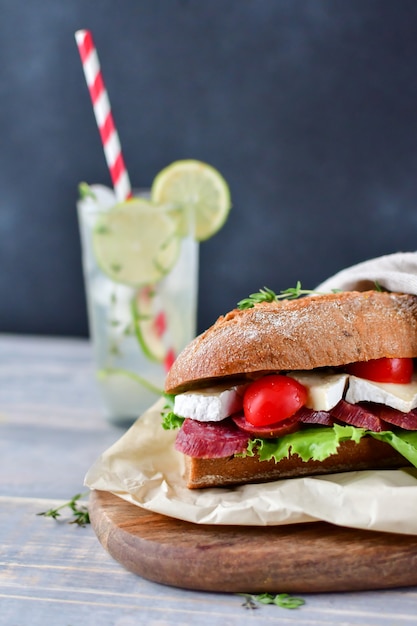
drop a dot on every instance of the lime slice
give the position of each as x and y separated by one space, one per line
197 187
147 331
136 243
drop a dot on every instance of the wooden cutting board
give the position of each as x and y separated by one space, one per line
298 558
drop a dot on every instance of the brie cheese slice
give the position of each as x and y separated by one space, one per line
325 390
209 405
401 397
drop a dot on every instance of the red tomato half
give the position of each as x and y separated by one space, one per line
383 370
272 399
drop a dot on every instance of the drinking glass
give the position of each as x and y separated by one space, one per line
136 327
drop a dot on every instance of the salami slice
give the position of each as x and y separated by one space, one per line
271 431
310 416
208 440
358 415
408 421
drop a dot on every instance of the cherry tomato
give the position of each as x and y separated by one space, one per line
272 399
383 370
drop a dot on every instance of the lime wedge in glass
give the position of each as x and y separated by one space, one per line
136 243
145 317
198 188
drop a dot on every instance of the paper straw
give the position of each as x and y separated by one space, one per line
109 135
103 114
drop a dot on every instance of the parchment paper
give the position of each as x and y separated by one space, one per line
143 467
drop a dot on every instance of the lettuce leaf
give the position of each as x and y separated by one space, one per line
316 443
405 442
310 444
170 421
319 443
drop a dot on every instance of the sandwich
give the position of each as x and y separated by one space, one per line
298 384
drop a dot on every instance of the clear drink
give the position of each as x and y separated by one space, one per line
141 277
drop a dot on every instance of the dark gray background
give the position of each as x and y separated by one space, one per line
308 108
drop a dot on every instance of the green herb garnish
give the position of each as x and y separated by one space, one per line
102 229
85 191
80 513
379 287
267 295
283 600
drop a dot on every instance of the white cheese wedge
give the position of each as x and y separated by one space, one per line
401 397
210 405
325 390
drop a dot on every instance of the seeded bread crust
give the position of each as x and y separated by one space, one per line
368 454
316 331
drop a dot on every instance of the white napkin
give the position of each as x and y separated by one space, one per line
395 272
143 467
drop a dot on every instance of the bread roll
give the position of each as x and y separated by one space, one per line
317 331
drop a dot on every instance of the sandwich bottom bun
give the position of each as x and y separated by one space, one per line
368 454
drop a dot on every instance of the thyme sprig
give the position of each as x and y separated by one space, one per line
267 295
283 600
80 513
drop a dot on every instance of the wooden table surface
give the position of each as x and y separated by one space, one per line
53 572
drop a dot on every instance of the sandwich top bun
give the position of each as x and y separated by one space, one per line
315 331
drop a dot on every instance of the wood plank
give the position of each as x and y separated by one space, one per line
299 558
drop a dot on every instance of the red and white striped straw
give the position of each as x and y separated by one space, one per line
103 114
